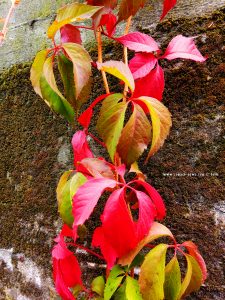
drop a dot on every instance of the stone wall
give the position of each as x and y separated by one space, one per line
35 144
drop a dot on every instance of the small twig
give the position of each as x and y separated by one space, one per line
125 53
99 40
6 21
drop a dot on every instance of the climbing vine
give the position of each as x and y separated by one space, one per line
130 122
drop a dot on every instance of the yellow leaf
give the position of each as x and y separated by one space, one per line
37 70
74 12
152 274
119 70
193 278
81 64
161 122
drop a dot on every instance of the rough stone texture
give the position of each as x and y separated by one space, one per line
28 26
36 150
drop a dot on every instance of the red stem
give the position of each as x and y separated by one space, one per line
96 139
87 250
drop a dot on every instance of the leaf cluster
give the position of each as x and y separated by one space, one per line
128 123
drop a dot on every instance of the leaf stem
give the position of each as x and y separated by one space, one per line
125 54
99 41
87 250
6 22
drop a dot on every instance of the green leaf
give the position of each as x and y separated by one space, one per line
172 283
129 8
111 120
121 293
52 95
65 67
193 278
66 189
37 70
161 122
74 12
137 261
98 285
81 64
156 231
119 70
132 289
114 280
66 71
152 274
135 136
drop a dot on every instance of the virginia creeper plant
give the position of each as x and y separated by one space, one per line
129 122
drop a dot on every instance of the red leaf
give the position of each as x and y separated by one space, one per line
85 117
142 64
167 6
107 251
107 3
147 213
66 231
118 225
193 251
81 148
183 47
139 42
70 34
155 198
86 198
129 8
121 170
151 85
109 20
66 270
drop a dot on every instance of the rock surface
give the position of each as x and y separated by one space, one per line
188 171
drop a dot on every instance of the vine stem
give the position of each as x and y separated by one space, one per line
99 41
87 250
125 54
6 22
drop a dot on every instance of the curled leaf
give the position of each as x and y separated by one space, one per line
51 94
81 64
183 47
